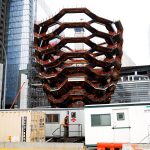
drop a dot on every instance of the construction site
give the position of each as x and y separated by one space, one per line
73 93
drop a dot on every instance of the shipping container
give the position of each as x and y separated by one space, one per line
22 126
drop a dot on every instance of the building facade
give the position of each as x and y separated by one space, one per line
3 6
19 35
134 85
1 81
132 88
3 62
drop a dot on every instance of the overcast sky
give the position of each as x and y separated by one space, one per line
134 15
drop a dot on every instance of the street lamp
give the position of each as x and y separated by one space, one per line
5 75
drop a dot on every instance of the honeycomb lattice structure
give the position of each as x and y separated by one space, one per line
74 78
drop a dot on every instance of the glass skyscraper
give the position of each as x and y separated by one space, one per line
3 6
19 35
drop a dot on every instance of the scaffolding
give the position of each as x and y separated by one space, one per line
36 96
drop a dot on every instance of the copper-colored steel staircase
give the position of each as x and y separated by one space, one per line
78 77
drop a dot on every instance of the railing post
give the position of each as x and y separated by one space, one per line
60 129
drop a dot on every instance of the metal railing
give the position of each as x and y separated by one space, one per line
77 128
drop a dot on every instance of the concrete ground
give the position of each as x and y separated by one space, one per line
41 146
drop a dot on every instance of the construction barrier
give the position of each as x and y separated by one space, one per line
110 146
136 147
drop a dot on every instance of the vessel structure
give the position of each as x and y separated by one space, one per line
77 77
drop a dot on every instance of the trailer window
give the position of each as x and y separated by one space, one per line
73 114
120 116
52 118
100 120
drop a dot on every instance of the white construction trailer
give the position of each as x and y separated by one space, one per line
55 120
117 123
109 123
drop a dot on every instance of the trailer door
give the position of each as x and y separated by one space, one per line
76 122
120 125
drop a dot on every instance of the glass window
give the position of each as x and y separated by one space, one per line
25 29
73 114
52 118
25 41
23 66
136 78
120 116
26 23
95 120
100 120
26 6
25 18
25 48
